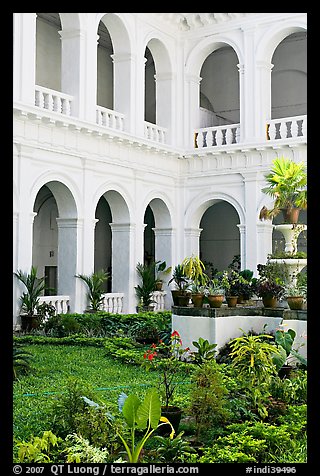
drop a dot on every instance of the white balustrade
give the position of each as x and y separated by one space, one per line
287 127
158 298
217 136
113 302
61 303
54 101
154 132
109 118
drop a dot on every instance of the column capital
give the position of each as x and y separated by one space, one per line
193 78
69 222
122 227
122 57
164 231
193 231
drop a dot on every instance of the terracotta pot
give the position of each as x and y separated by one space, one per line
232 301
174 415
269 301
183 300
175 293
215 301
290 215
295 302
29 322
197 299
285 371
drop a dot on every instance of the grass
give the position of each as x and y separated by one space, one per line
53 365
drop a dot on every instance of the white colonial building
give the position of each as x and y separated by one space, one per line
147 135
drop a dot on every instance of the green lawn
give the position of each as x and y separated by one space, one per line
53 365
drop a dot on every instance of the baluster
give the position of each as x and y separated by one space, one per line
229 136
237 135
38 99
199 139
209 138
56 104
283 130
66 107
294 129
304 127
272 131
219 137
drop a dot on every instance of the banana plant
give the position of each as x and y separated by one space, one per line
145 415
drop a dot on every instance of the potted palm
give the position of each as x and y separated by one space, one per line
146 287
287 185
95 284
29 300
181 283
161 270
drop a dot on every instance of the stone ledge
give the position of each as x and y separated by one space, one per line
225 311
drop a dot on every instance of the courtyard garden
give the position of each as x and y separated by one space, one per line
96 387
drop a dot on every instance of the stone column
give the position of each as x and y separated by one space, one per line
243 253
250 235
122 263
124 70
263 99
164 104
163 252
69 231
23 256
192 245
79 71
24 57
264 240
192 108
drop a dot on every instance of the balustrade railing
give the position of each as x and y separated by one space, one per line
113 302
109 118
154 132
54 101
158 298
217 136
287 127
61 303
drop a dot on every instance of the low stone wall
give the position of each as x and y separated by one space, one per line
219 325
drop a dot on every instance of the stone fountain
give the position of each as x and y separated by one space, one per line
291 233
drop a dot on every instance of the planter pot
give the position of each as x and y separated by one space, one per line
174 415
183 300
290 215
232 301
295 302
215 301
285 371
175 293
197 299
29 322
270 301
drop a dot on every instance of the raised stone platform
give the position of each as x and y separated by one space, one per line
224 311
219 325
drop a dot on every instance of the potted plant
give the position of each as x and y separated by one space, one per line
166 357
286 356
194 269
144 290
161 270
181 283
287 185
95 283
246 289
215 293
197 294
295 295
29 300
270 285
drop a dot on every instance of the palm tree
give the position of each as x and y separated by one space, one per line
21 361
95 283
287 185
